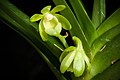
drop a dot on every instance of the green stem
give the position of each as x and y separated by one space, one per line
62 39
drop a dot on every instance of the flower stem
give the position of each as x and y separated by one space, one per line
62 39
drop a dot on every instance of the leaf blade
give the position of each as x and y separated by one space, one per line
111 21
84 20
99 12
111 73
105 58
103 39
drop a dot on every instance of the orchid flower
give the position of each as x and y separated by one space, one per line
73 59
51 23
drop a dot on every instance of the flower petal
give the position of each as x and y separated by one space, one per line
45 9
65 23
42 32
58 28
78 64
58 8
65 52
36 17
70 67
67 62
51 31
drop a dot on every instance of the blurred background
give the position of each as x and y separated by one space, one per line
18 59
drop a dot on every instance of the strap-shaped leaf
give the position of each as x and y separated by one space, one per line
84 20
46 9
111 73
99 12
58 8
111 21
36 17
65 23
106 57
66 62
104 38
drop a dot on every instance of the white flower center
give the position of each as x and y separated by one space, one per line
49 17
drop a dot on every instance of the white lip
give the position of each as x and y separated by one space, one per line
49 17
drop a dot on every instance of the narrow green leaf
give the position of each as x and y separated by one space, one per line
106 57
99 12
104 38
65 23
36 17
19 22
111 73
111 21
46 9
58 8
84 20
76 28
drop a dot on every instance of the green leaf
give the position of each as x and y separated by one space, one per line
99 12
36 17
20 22
66 52
46 9
84 20
56 72
111 21
106 57
111 73
58 8
76 28
19 29
65 23
66 62
99 43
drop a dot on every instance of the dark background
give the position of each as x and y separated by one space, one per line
18 59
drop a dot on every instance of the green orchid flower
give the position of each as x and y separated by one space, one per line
73 59
51 23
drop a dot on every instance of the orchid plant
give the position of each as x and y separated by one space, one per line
95 52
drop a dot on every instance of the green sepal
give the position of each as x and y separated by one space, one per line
67 61
36 17
58 8
65 23
70 69
46 9
65 52
78 64
77 42
42 32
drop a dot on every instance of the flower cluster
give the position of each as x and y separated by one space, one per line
73 59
